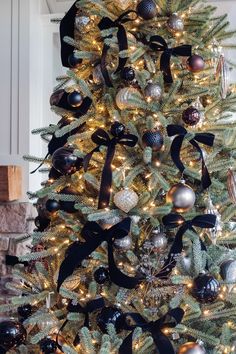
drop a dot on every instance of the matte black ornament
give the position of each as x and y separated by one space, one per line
65 162
191 116
41 223
68 207
73 61
75 99
48 346
147 9
117 129
153 139
101 275
24 311
52 205
128 73
205 288
110 315
195 63
12 334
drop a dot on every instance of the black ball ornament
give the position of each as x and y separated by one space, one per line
147 9
110 315
205 288
101 275
48 346
41 223
12 334
52 205
68 207
153 139
117 129
195 63
75 99
73 61
128 73
24 311
191 116
65 162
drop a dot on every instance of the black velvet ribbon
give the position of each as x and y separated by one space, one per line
158 44
101 138
94 235
203 138
207 221
155 328
13 260
67 28
107 23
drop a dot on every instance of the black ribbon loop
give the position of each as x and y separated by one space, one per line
207 221
107 23
101 138
162 342
94 235
158 44
13 260
203 138
67 28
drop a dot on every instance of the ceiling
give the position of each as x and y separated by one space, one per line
59 6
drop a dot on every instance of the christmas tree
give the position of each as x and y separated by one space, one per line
133 250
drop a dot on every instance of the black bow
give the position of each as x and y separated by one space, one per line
101 138
157 43
13 260
94 235
107 23
162 342
203 138
67 28
176 220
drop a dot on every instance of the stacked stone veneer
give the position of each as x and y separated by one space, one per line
16 220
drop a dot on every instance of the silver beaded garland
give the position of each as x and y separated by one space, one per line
175 23
126 199
182 196
153 92
124 243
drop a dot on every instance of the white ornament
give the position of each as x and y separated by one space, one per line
126 199
124 96
215 232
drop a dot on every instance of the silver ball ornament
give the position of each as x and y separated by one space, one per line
126 199
182 196
158 240
175 23
124 243
191 348
215 231
153 92
228 272
123 97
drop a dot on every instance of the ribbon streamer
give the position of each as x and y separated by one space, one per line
13 260
101 138
207 221
158 44
94 235
67 28
162 342
107 23
203 138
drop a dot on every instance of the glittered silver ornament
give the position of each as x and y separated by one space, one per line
153 92
222 71
97 75
158 240
175 23
126 199
83 24
124 96
124 243
198 105
182 196
191 348
228 272
231 185
123 4
214 232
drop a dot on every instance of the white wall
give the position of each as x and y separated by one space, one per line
30 62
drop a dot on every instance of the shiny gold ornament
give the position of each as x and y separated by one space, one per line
126 199
191 348
231 185
124 96
182 196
